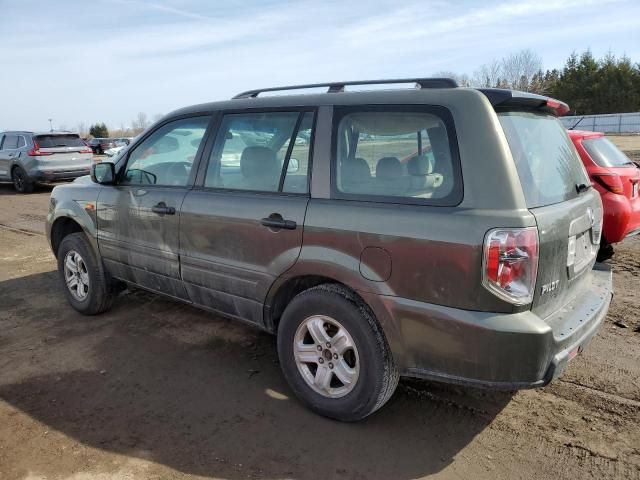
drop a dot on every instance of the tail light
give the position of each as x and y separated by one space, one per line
510 264
86 150
35 151
610 181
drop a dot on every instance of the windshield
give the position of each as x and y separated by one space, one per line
605 153
547 162
53 141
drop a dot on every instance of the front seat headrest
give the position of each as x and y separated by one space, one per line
259 162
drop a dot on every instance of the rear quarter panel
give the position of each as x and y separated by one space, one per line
435 252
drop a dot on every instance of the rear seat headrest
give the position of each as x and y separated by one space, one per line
389 167
355 169
418 166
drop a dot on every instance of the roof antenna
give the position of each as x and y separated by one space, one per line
576 124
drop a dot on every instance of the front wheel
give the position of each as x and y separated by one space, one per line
334 354
87 286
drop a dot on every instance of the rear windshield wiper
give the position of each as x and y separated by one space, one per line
581 187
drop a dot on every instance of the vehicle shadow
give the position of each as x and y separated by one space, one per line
7 188
162 381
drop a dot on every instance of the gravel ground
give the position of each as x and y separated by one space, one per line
157 389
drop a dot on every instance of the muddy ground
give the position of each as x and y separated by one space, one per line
156 389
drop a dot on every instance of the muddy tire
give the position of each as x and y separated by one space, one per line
334 354
88 287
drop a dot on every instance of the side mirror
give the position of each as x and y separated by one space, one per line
103 173
293 166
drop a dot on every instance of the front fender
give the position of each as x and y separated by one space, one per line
77 208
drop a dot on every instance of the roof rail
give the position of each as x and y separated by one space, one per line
336 87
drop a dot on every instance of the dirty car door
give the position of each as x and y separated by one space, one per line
242 227
138 219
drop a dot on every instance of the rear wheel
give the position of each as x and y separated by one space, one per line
21 181
89 289
334 354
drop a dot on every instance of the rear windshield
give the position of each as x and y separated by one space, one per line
53 141
605 153
547 162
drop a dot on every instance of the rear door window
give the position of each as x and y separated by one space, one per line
396 154
604 152
58 141
546 160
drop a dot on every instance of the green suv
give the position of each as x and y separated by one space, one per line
437 232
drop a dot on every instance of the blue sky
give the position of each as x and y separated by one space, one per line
106 60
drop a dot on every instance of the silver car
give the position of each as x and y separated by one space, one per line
27 158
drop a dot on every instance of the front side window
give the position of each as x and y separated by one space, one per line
264 152
166 156
389 154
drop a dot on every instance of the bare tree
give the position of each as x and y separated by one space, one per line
488 75
519 69
140 123
462 79
82 130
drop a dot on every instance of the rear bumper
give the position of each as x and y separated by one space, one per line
58 175
621 217
503 351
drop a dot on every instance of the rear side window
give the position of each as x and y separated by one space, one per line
396 154
10 142
55 141
546 160
605 153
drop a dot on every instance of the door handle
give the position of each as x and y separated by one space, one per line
275 220
162 209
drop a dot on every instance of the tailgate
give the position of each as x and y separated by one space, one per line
61 147
567 210
569 235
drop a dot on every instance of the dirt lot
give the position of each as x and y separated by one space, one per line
156 389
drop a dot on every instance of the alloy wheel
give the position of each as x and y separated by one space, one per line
76 275
326 356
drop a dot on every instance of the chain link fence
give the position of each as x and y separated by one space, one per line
609 123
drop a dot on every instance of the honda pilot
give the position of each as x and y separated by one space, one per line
436 232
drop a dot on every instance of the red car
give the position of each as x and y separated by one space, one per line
617 179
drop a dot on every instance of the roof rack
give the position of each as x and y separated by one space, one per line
337 87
